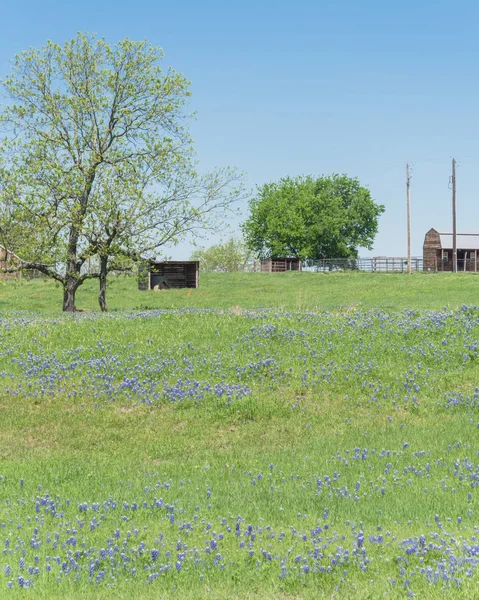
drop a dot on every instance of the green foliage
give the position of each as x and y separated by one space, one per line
327 217
98 160
230 256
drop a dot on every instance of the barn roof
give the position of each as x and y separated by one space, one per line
466 239
281 258
153 261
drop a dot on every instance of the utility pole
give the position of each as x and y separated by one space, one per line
454 231
408 185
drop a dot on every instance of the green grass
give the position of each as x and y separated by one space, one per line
290 291
338 383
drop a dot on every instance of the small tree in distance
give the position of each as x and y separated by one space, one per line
312 218
230 256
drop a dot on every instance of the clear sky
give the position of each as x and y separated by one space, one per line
311 87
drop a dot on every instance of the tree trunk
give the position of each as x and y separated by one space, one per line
69 290
73 265
103 274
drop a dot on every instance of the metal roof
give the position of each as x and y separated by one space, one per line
466 239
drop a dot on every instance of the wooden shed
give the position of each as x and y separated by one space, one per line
168 274
437 250
277 264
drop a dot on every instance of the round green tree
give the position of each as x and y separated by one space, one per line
312 218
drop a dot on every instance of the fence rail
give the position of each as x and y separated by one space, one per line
396 264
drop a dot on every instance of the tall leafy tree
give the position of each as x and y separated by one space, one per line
82 119
312 218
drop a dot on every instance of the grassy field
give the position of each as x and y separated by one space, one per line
289 436
288 291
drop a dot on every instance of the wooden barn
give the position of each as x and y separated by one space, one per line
437 250
155 275
277 264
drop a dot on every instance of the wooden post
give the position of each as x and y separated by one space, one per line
454 231
408 178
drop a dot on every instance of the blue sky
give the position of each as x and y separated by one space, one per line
288 88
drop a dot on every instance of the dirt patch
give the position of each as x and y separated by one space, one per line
231 429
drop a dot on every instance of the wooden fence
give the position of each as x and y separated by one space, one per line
468 265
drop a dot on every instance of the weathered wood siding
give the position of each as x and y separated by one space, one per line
431 251
170 274
8 260
280 265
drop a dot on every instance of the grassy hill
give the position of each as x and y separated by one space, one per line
264 437
289 291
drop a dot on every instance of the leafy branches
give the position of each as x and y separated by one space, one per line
97 158
229 256
327 217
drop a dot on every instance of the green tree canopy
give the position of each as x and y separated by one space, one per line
97 160
312 218
229 256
